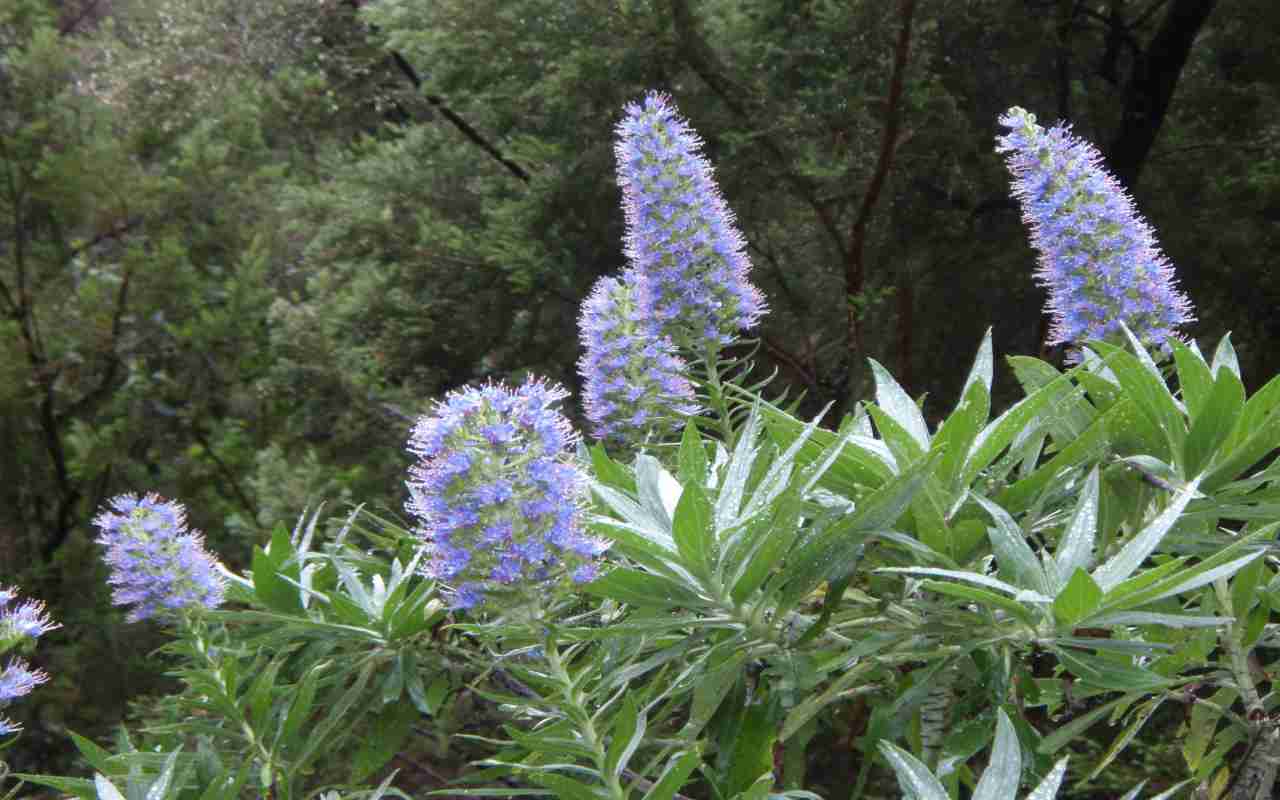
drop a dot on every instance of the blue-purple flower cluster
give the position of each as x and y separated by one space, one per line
681 235
1098 258
158 566
19 621
498 497
634 383
25 620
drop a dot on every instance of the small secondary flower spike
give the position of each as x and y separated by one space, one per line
680 233
25 620
633 381
1098 258
500 501
158 567
18 679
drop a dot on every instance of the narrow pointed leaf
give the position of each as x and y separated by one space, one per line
983 369
1195 379
1214 423
1000 779
1077 600
913 776
1224 357
1075 550
729 502
1014 555
1130 558
1047 789
695 538
673 777
895 402
627 734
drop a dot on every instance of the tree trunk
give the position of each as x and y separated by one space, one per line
1150 85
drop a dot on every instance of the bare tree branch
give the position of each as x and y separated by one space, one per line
458 122
855 266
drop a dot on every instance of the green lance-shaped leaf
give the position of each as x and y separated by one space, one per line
957 433
914 777
564 787
1001 778
627 734
1173 578
831 552
737 471
692 529
657 490
1214 422
893 400
1047 789
1256 434
692 456
1012 551
1126 736
972 577
1075 549
1195 379
673 777
1224 357
1130 558
983 369
106 790
1141 382
1077 600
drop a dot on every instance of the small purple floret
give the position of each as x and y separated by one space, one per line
1098 258
158 566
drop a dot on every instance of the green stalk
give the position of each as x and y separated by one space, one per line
1256 777
573 699
715 391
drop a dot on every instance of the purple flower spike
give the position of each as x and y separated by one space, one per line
158 567
634 383
1098 258
681 235
496 491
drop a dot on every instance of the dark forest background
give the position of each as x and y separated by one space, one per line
242 244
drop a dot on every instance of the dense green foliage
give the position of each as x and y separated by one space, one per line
243 244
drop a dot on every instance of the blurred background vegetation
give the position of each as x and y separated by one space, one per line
242 244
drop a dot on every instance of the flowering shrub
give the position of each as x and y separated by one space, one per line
703 618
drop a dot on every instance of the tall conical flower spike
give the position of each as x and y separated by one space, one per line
681 235
634 384
1098 258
